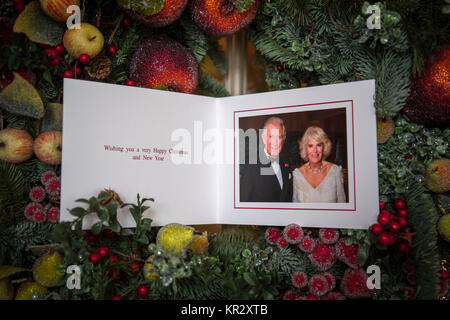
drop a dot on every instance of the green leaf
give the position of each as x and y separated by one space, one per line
127 232
37 26
146 224
97 227
78 212
115 227
242 5
250 278
82 200
143 239
21 98
146 7
102 214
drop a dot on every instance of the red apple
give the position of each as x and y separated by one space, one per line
48 147
57 9
16 145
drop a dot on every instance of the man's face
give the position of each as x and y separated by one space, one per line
273 139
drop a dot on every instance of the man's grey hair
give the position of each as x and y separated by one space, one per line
275 120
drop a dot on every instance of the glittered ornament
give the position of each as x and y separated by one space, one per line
161 61
354 284
429 99
170 12
219 18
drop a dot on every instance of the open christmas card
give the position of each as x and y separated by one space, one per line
208 160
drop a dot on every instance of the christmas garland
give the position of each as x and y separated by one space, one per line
299 43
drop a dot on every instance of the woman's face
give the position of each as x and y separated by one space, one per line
314 151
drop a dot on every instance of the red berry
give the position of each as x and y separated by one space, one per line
51 53
114 259
130 83
403 222
126 22
54 62
391 239
402 212
382 205
403 248
394 227
116 297
142 290
76 70
112 49
94 258
17 1
280 68
135 266
19 7
91 238
376 229
60 48
114 274
107 233
68 74
399 204
383 239
408 157
443 275
84 58
103 252
384 218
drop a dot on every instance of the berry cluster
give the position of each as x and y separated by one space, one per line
390 225
44 205
323 247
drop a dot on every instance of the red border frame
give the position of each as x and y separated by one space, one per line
283 107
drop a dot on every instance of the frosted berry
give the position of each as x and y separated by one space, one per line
282 243
37 194
329 236
307 244
53 214
299 279
318 285
272 235
46 176
293 233
39 216
32 208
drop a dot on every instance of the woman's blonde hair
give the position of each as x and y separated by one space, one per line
320 136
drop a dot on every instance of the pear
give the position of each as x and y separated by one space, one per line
175 237
437 176
30 289
6 289
444 227
45 269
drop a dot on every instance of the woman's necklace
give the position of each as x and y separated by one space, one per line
315 171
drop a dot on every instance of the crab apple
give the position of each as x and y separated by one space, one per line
399 204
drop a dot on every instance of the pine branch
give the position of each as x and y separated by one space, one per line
211 87
424 218
227 245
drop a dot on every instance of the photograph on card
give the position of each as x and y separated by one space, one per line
295 157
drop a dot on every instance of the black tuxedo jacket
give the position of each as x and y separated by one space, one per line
255 187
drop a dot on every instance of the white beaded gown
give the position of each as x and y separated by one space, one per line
331 189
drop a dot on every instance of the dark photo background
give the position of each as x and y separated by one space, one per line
332 121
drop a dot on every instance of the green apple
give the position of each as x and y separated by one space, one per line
48 147
57 9
85 40
16 145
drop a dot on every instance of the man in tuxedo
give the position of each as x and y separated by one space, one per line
267 180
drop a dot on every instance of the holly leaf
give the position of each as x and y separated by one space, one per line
37 26
52 120
97 227
146 7
22 99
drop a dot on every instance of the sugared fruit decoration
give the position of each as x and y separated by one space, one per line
219 18
437 175
322 257
293 233
46 269
328 236
155 13
87 40
444 227
162 61
148 270
48 147
57 9
16 145
272 235
429 99
282 243
199 244
175 237
307 244
318 285
299 279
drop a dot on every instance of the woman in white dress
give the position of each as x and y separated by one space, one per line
317 180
